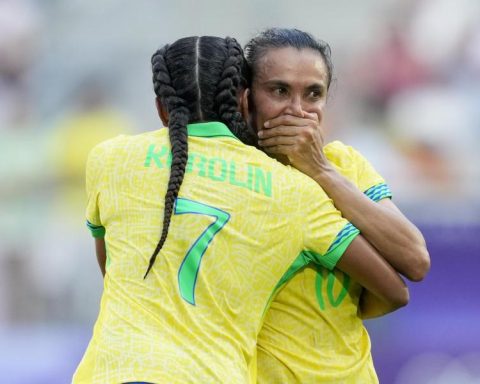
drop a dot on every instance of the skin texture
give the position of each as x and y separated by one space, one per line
388 293
289 95
101 252
287 101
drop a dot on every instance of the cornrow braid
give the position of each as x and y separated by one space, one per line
196 79
177 131
226 101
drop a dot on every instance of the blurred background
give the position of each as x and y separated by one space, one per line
406 94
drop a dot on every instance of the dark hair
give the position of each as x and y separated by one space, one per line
273 38
196 79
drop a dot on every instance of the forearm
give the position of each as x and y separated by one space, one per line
371 306
384 290
384 226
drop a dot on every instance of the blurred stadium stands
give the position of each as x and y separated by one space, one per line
406 94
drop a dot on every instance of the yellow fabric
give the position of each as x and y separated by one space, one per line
312 333
146 331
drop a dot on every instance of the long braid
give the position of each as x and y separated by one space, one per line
177 130
196 85
226 99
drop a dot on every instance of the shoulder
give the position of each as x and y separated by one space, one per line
343 155
338 152
125 143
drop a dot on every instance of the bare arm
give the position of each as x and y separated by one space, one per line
385 291
382 224
101 253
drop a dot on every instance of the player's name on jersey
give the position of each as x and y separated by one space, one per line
217 169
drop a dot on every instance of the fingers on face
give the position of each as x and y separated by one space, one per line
281 130
298 135
280 149
278 140
290 120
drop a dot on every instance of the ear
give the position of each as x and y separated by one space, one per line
162 112
244 105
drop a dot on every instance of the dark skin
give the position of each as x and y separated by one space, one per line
289 94
288 97
385 290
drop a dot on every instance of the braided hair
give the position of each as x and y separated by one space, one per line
273 38
197 79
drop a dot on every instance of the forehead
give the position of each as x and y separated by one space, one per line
292 65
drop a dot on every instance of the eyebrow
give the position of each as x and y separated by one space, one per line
280 83
316 86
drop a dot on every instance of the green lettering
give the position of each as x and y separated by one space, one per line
331 282
318 288
343 291
239 183
263 180
223 169
156 156
249 177
190 160
200 164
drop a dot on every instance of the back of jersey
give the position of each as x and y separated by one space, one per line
239 223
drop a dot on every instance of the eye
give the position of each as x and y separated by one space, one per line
279 91
315 94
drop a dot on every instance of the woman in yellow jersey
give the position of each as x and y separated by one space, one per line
313 332
186 306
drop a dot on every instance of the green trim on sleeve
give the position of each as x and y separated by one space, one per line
330 259
96 230
378 192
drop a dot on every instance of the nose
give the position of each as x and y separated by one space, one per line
294 107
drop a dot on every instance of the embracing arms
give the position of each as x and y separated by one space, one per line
382 224
385 291
397 240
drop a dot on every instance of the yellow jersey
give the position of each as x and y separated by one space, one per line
312 333
241 222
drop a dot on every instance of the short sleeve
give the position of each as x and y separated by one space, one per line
94 178
326 233
369 180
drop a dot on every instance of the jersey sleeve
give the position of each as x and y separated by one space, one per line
94 175
369 180
326 233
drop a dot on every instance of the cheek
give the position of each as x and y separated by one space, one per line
318 110
266 107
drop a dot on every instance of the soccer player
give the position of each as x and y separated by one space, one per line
313 332
235 224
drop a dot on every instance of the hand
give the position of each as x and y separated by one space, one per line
301 139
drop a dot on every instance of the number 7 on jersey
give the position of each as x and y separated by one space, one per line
188 271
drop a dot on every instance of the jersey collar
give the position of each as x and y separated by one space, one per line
209 129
